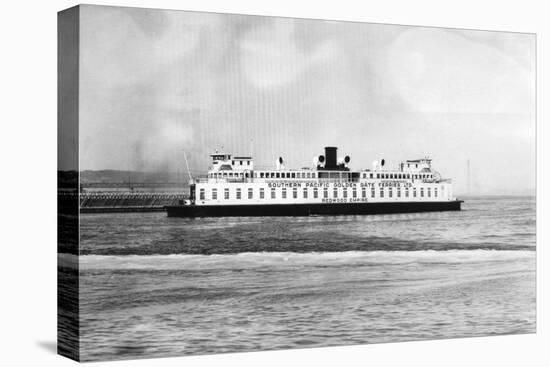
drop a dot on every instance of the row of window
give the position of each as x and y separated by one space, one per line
229 174
403 176
286 174
241 163
305 193
406 192
394 176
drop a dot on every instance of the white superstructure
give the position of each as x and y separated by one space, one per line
232 180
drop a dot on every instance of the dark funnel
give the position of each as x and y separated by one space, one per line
330 155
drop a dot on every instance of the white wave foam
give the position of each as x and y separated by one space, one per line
291 259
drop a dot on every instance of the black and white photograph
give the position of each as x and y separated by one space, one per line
236 183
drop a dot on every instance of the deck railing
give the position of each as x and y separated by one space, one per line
326 180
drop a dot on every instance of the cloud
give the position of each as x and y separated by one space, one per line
271 58
441 71
137 95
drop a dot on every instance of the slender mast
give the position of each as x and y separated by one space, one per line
187 164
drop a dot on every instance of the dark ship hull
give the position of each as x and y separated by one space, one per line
298 210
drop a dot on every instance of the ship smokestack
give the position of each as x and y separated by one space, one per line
330 156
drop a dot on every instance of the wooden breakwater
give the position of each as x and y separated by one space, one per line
94 202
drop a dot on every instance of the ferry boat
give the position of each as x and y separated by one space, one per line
233 187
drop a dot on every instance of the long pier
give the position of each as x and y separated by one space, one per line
120 202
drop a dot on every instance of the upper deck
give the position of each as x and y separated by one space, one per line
240 169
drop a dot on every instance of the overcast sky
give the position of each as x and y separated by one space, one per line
154 83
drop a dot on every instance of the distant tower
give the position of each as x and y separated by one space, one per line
468 176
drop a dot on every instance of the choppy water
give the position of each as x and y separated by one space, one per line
156 286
